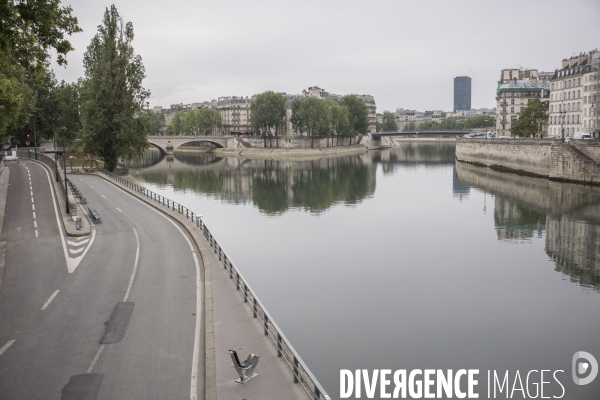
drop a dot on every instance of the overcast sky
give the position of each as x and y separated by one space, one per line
405 53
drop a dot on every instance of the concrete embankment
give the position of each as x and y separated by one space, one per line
292 153
577 161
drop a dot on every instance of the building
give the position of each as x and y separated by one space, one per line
405 117
235 115
574 96
516 88
462 93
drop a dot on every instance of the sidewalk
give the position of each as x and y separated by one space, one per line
229 325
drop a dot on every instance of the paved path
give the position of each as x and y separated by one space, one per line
140 272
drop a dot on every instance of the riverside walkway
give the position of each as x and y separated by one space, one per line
150 311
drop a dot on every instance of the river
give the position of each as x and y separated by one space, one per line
404 259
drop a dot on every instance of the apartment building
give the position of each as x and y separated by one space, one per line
574 96
516 88
235 114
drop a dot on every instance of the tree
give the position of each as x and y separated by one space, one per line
389 122
531 121
112 96
268 113
340 120
28 31
16 102
202 121
312 116
155 121
410 126
358 114
480 121
175 128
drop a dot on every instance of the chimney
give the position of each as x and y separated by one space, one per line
565 63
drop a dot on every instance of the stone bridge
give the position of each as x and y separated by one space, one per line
168 144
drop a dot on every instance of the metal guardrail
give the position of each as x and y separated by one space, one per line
302 374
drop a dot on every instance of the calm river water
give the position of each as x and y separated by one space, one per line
404 259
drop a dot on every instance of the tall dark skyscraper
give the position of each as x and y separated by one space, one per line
462 93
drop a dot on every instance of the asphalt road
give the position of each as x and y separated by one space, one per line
125 324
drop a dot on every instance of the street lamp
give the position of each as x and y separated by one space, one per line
55 152
561 116
34 139
63 129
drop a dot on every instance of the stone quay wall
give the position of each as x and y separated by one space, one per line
526 155
576 161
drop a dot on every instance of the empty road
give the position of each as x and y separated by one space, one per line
112 315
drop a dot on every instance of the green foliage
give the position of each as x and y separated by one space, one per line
202 121
531 121
28 30
480 121
67 99
268 112
389 122
340 118
112 93
312 116
16 104
175 128
155 121
358 114
409 126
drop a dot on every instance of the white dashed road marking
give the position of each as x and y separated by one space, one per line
119 210
6 346
50 300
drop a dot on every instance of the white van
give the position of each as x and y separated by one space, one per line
582 135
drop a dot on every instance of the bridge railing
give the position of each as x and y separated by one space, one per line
300 371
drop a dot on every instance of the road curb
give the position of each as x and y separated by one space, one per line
210 365
4 179
60 209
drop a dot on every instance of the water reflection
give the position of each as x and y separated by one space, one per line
272 186
275 187
526 207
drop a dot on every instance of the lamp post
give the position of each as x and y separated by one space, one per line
34 140
561 115
63 129
55 153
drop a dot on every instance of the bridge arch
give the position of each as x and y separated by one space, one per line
167 144
162 151
199 140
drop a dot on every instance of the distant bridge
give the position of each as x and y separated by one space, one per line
168 144
421 133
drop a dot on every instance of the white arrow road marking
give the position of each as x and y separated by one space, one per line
77 244
76 251
72 262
